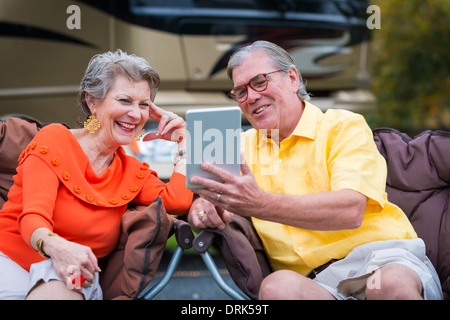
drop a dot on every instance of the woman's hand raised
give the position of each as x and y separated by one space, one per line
170 126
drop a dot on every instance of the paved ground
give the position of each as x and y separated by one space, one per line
192 279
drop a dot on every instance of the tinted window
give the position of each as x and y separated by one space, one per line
210 4
355 8
163 3
333 7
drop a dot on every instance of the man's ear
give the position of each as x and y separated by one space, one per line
294 77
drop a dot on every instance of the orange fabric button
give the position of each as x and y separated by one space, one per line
21 155
125 196
55 161
140 175
43 149
113 201
66 176
77 189
134 188
89 197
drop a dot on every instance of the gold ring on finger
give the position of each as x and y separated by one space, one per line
201 214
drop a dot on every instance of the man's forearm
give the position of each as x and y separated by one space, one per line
334 210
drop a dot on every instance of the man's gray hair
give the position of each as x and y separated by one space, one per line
278 55
102 70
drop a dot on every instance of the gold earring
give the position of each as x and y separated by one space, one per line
92 124
140 135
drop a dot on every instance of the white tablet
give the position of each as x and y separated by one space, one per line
213 135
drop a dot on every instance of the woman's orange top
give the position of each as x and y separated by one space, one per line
56 188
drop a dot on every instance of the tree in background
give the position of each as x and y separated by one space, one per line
411 64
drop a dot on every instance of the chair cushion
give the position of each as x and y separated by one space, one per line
15 134
418 181
133 264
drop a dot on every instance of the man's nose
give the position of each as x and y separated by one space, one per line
252 95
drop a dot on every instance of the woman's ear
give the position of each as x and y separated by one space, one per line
90 101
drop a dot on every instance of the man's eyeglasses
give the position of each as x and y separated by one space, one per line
258 83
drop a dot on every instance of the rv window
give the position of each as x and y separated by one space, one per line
163 3
210 4
354 8
337 7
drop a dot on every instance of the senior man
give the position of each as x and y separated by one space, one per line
314 185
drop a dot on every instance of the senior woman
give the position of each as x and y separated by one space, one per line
72 186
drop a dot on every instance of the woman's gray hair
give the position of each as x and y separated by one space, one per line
278 55
102 70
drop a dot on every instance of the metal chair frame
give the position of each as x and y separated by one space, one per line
201 243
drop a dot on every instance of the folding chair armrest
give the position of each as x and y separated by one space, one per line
203 241
183 234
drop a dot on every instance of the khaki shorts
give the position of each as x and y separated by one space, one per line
44 271
346 279
16 282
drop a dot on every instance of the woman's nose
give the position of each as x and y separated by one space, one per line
134 112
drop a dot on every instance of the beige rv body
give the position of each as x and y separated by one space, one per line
41 70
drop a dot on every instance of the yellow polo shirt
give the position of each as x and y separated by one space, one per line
326 152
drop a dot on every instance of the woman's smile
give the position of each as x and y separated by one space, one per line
127 127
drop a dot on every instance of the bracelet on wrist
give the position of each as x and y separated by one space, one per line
180 155
40 244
